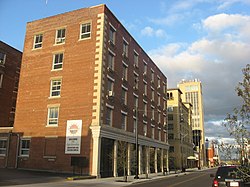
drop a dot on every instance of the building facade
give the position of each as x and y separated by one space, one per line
10 63
192 93
86 87
181 154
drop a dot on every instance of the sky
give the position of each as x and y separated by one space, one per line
187 39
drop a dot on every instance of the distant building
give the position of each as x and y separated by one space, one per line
85 86
211 154
10 63
180 135
192 93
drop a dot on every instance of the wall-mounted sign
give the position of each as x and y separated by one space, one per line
73 137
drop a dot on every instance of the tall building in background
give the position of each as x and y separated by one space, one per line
192 93
180 136
86 89
10 63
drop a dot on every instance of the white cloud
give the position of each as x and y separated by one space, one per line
149 31
224 4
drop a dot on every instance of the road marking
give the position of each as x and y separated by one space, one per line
187 180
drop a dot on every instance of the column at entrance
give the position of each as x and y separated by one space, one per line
129 158
155 150
140 160
115 158
96 151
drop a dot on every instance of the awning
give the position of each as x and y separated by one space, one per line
191 158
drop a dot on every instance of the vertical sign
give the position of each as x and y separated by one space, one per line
73 137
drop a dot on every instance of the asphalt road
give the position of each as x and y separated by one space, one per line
194 179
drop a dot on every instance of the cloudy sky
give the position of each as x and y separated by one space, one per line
204 39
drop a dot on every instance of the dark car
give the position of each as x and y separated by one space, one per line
226 176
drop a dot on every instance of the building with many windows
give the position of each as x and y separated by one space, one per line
85 87
180 139
192 93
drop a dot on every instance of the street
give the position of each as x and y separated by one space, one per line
189 179
194 179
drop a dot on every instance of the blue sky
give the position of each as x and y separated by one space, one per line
204 39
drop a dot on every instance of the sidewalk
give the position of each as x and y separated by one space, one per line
119 181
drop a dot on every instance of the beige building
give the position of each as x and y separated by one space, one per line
179 131
192 93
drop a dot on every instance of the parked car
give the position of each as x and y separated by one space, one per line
227 176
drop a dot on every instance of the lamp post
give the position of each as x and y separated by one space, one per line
136 146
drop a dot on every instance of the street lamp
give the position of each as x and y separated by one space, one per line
136 146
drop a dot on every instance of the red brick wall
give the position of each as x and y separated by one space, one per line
9 71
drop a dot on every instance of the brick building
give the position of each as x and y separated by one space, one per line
85 86
10 63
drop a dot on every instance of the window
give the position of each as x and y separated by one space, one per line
53 114
145 88
153 133
55 89
60 36
57 61
124 71
164 88
85 31
159 100
145 128
124 96
153 113
159 117
171 149
1 80
112 31
124 121
38 41
2 59
152 76
110 85
159 134
145 68
170 136
159 82
153 95
145 108
165 137
109 114
111 60
125 48
170 109
136 81
170 126
136 59
25 147
3 147
170 117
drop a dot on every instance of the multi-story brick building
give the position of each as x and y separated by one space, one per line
85 86
10 63
180 139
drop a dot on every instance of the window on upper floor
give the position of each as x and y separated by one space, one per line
171 149
38 41
111 60
159 117
125 71
136 59
2 58
57 61
159 82
24 147
110 86
152 113
135 102
152 76
124 121
145 68
152 95
124 96
3 147
153 133
145 129
109 116
60 36
112 33
125 49
145 108
134 125
170 136
170 117
85 31
145 88
159 134
53 115
159 100
55 88
170 126
136 85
